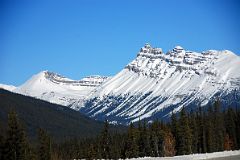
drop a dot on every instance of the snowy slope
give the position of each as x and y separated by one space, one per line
57 89
154 84
7 87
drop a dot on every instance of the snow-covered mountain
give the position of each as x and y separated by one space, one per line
155 84
57 89
151 86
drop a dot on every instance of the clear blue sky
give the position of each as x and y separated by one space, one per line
77 38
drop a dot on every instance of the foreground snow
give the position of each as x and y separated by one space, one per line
196 156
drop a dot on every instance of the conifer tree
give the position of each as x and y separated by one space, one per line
202 147
132 146
143 140
194 129
146 139
218 127
117 145
209 130
154 144
174 125
105 141
44 148
185 136
160 131
154 141
230 125
141 137
91 152
16 146
97 146
175 129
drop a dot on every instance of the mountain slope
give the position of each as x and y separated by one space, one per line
155 84
7 87
57 89
61 122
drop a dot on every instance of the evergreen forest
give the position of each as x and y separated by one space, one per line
206 130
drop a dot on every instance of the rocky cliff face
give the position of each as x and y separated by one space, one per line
90 81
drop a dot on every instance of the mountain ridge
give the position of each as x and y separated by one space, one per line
155 84
151 86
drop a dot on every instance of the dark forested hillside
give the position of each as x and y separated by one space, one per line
60 122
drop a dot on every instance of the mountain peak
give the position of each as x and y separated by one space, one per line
58 89
178 48
55 77
92 80
149 51
154 63
147 45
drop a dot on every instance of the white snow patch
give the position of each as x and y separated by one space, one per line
194 156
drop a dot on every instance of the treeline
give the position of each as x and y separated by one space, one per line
208 130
